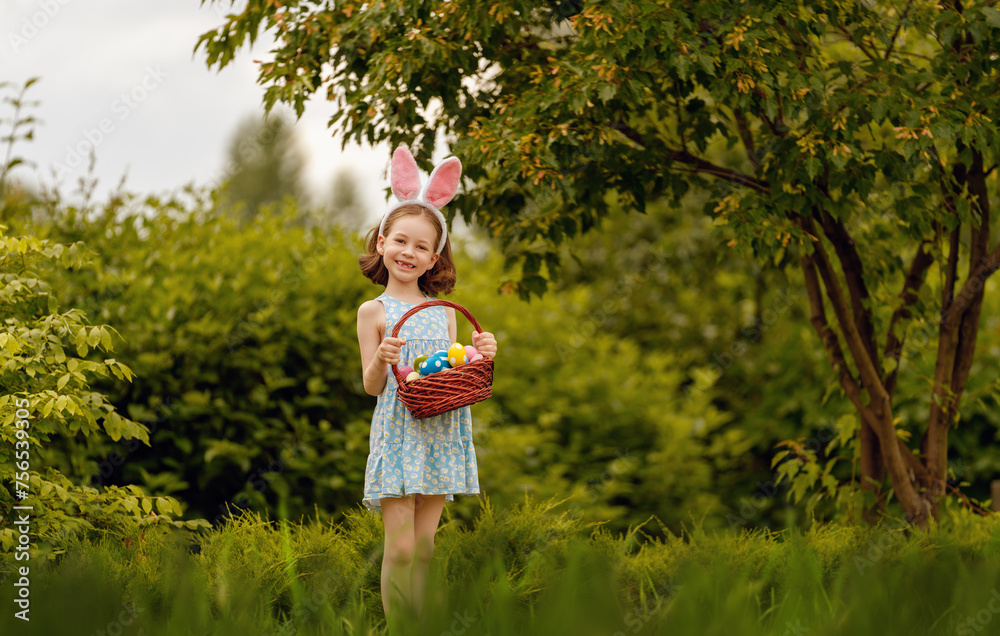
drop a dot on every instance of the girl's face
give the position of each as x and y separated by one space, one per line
408 247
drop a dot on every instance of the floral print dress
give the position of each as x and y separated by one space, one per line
433 456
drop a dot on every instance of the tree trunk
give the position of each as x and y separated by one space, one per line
872 472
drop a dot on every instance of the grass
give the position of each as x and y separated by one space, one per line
529 570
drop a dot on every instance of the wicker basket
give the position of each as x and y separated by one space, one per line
445 390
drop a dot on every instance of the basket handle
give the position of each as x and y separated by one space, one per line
400 380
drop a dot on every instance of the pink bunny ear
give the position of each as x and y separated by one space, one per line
404 175
444 182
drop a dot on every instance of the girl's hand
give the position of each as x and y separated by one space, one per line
485 344
389 349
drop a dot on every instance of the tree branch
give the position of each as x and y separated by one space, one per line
920 471
747 137
968 330
827 335
895 34
850 263
707 167
776 126
872 466
960 319
921 262
866 366
973 285
860 45
699 164
951 270
918 508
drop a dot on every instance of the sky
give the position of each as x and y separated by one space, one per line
121 76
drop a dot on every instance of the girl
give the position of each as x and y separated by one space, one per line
414 465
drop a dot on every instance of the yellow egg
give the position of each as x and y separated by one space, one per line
456 355
413 376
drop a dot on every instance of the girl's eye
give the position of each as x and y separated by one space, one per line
399 240
422 248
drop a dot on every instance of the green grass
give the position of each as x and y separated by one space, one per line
530 570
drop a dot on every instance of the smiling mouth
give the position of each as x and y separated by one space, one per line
405 265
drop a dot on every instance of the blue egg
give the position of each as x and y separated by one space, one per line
437 362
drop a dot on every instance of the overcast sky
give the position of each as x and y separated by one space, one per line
120 74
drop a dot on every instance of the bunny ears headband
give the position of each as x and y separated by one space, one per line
440 188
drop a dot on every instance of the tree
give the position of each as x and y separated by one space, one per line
860 125
265 165
345 206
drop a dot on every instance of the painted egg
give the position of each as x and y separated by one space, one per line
470 352
478 356
456 355
413 375
405 371
419 361
434 364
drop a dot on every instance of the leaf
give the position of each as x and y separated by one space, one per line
607 92
778 457
706 62
112 425
147 504
163 506
889 364
992 16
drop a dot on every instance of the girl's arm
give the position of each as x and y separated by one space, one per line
376 352
452 324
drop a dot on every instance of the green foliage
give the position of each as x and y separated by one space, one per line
527 571
637 387
853 107
250 366
866 126
582 413
46 405
243 342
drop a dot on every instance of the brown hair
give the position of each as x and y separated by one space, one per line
439 279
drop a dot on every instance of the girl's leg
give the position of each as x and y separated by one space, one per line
426 515
398 517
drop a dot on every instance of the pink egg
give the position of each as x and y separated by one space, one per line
470 352
478 356
405 371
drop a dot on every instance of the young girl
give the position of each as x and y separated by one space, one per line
414 465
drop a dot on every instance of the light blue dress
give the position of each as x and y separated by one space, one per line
434 455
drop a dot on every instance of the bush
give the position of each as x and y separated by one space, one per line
530 570
47 407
